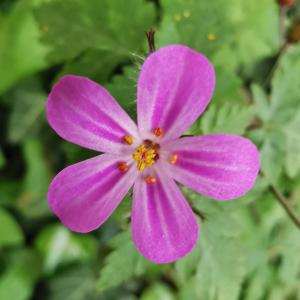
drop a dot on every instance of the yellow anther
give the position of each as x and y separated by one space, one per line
141 165
158 132
150 179
128 139
123 167
173 159
211 37
145 156
177 18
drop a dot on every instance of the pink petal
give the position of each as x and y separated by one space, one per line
84 195
174 87
84 113
220 166
164 228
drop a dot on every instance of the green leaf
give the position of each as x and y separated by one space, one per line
23 53
10 232
59 246
17 281
122 263
95 64
221 267
28 107
224 30
292 157
111 25
229 118
33 199
158 291
286 86
124 88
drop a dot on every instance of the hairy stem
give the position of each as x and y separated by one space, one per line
285 204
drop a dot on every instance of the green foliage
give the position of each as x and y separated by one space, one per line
122 263
278 112
18 279
23 53
248 249
58 245
71 27
10 232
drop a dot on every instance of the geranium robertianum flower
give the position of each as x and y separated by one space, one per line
174 87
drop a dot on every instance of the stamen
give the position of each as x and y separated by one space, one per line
158 132
128 139
150 179
123 167
146 155
173 159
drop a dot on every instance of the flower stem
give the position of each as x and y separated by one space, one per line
151 41
285 204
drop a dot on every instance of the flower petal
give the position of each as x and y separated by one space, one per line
220 166
84 195
174 87
84 113
164 228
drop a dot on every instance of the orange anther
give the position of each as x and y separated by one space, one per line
173 159
158 132
123 167
128 139
150 179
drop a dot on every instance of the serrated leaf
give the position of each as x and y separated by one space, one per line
231 25
124 88
122 263
59 246
221 267
10 232
110 25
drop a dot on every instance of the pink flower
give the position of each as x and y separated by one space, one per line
175 86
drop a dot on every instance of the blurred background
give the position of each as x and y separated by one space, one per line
248 249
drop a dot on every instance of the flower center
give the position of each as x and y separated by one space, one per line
146 155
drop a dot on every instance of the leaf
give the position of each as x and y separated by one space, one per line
17 281
124 88
95 64
286 86
110 25
231 119
10 232
23 53
221 267
292 156
158 291
77 283
28 107
58 246
224 30
122 263
32 201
